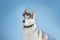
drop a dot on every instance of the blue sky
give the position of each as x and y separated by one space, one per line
47 17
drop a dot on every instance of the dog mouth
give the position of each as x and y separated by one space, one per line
28 26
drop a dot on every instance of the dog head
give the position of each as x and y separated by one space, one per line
28 18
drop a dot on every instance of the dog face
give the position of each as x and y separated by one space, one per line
28 18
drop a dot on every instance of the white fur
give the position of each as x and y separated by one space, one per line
31 33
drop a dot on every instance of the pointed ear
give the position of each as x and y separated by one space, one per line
25 10
32 14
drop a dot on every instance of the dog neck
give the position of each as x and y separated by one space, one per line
28 30
28 26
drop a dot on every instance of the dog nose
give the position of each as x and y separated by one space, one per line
23 21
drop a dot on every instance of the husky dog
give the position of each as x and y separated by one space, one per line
30 28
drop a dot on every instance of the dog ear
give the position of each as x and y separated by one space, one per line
25 10
32 14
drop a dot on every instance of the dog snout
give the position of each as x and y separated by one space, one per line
23 21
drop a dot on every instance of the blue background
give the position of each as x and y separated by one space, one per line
47 17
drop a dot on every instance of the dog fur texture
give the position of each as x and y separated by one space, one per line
30 28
